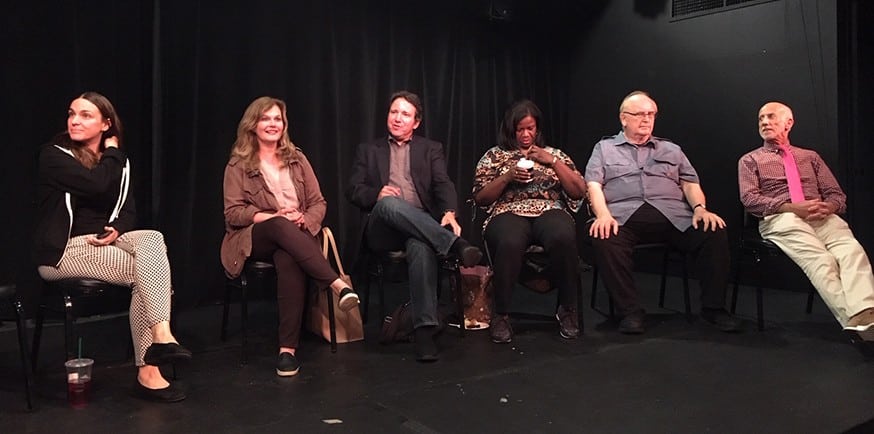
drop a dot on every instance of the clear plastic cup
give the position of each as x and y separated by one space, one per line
78 381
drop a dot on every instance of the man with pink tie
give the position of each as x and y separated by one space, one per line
799 199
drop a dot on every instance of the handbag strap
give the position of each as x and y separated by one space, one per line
328 243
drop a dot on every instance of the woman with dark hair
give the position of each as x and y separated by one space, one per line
273 210
85 229
530 191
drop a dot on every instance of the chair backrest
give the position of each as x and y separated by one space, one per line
750 228
533 273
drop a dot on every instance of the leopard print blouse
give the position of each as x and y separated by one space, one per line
529 200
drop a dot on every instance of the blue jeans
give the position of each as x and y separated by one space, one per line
394 224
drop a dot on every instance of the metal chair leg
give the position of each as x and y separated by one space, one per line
244 316
37 336
226 307
686 296
22 347
455 289
737 269
594 287
664 282
580 300
379 281
364 292
760 310
332 320
68 327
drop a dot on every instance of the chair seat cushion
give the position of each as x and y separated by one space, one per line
253 265
761 244
85 287
7 291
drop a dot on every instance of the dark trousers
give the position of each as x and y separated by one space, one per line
647 225
508 236
296 254
394 224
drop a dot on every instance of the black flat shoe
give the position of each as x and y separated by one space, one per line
171 393
162 354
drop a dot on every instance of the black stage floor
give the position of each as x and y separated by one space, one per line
800 375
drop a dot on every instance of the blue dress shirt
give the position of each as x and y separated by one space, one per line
632 175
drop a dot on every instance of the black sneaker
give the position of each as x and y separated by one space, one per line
500 329
721 319
287 365
348 300
568 322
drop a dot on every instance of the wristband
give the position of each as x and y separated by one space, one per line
701 205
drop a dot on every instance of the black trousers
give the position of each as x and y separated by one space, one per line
296 254
648 225
509 235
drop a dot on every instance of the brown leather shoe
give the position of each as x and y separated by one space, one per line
861 321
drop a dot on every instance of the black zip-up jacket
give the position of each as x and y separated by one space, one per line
73 200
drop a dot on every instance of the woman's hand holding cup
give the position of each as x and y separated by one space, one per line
524 171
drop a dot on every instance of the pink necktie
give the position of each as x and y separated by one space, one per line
796 193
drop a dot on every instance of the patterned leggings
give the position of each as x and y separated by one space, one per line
137 259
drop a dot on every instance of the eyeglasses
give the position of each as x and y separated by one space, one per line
641 115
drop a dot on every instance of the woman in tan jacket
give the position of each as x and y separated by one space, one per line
273 210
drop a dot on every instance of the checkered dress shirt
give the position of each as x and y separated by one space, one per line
763 185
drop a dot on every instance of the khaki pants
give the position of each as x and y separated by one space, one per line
830 256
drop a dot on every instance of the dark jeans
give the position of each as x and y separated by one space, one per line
509 235
296 254
394 224
647 225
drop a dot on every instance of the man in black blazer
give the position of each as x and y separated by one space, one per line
401 182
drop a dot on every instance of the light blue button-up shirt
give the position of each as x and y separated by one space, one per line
632 175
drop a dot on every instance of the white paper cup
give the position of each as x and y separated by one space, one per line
526 165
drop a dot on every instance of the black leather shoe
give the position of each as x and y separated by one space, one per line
426 347
632 324
172 393
721 319
162 354
470 255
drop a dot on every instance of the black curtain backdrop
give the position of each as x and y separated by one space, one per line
52 52
182 73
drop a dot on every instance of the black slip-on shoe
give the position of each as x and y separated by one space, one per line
162 354
348 300
287 365
172 393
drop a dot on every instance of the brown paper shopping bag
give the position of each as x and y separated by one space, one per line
349 325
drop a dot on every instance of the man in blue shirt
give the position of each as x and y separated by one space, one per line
642 189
